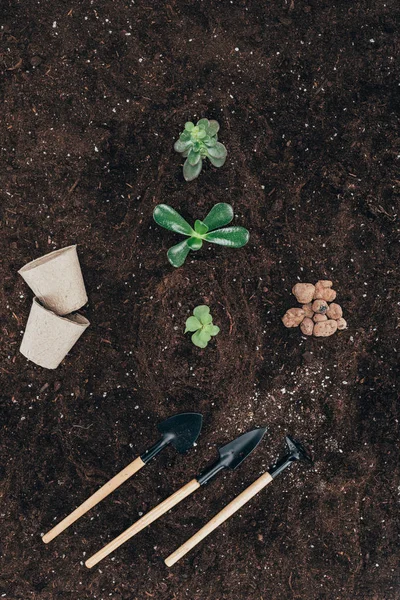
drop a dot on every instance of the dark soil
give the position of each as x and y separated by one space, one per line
93 97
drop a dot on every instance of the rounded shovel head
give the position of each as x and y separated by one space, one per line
234 453
182 430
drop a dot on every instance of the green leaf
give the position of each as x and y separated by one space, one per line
217 162
177 254
194 157
204 335
195 243
198 340
206 320
167 217
200 227
213 127
192 324
235 237
202 311
190 172
213 330
217 151
189 126
196 146
185 136
203 123
202 134
221 214
180 146
210 142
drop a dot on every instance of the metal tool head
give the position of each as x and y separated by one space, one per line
234 453
297 451
182 430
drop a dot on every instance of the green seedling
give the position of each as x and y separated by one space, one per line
198 142
202 325
208 230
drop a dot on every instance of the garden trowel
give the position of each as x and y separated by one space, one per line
296 452
181 431
230 457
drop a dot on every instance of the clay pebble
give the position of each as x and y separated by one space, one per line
293 317
341 323
325 328
304 292
320 306
308 311
317 318
307 326
334 311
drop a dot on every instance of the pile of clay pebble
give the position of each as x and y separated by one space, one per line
319 315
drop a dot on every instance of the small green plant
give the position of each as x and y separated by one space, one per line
198 142
221 214
202 325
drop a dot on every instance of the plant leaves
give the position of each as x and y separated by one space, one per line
177 254
192 324
202 134
203 123
194 157
181 146
185 136
198 341
234 237
190 172
213 127
221 214
201 311
210 142
167 217
200 227
195 243
189 126
217 151
217 162
206 320
213 330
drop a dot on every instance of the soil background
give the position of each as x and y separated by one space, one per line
93 95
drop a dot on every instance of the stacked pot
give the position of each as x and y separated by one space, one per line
319 315
51 331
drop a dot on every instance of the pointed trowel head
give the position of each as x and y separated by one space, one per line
234 453
182 430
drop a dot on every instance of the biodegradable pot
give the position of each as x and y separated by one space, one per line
56 280
49 337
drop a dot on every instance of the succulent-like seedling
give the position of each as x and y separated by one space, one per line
198 142
202 326
208 230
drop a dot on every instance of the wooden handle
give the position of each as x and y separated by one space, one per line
106 489
151 516
222 516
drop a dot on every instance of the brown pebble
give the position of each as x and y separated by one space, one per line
334 311
320 306
304 292
318 318
341 323
293 317
325 328
327 294
308 311
307 326
320 286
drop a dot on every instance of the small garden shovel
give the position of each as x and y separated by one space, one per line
296 452
180 430
230 457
